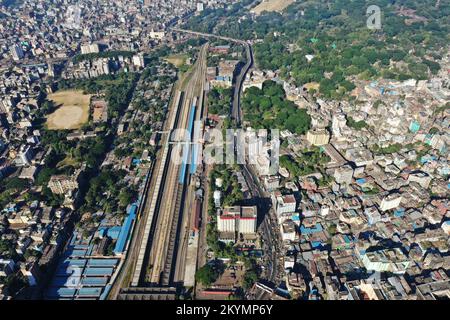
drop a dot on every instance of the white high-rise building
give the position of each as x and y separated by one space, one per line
388 260
237 219
344 174
247 220
288 230
285 204
90 48
227 220
421 178
318 137
6 267
339 122
25 155
73 17
138 60
157 34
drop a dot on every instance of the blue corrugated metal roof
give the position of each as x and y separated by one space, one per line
126 227
60 281
114 232
61 292
90 249
186 151
94 281
347 240
400 212
305 230
316 244
194 159
74 238
76 253
65 270
81 246
75 262
102 262
105 292
96 292
98 271
102 231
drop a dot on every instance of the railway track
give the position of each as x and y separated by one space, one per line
153 200
167 275
163 257
189 191
153 257
161 239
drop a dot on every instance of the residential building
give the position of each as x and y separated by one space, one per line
318 137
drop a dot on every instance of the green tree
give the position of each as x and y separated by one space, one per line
206 275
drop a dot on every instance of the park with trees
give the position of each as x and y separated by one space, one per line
268 108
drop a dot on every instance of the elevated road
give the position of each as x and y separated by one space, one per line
236 112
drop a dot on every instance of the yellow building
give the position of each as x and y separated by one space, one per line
63 184
318 137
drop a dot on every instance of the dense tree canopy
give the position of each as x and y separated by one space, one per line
219 101
206 275
336 35
268 108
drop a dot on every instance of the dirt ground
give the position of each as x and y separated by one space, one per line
312 85
176 60
271 5
72 112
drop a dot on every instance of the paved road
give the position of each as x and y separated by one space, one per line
268 227
236 112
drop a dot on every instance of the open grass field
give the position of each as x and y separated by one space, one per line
271 5
72 112
68 161
176 59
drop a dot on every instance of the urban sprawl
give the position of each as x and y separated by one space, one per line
91 206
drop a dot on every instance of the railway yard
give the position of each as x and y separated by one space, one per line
158 248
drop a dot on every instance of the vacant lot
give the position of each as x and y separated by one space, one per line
177 59
312 85
72 112
271 5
